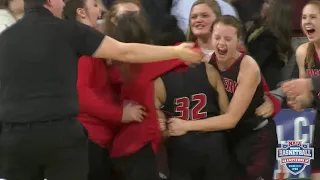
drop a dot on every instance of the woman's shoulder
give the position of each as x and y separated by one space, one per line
248 62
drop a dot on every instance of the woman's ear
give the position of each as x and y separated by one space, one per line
81 13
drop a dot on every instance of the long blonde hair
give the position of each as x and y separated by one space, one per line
215 9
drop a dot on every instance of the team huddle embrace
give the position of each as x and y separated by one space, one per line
215 117
204 102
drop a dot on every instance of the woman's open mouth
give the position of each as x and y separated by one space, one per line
310 31
222 51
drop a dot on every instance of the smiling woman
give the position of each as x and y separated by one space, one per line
309 65
310 26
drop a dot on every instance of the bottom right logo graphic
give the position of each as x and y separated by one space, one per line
295 156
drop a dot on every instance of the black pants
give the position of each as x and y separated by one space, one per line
255 151
56 150
141 165
199 156
99 163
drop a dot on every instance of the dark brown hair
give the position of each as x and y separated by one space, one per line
111 14
70 9
230 21
278 21
309 60
215 9
132 27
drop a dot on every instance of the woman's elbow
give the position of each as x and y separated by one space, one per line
231 125
123 52
232 121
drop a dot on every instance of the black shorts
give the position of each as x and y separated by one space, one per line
199 156
141 165
315 164
254 151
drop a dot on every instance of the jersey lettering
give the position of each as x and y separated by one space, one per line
182 106
313 72
229 85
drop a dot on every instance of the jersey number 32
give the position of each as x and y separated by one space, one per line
182 106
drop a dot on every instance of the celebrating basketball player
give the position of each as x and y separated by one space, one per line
199 87
309 66
252 138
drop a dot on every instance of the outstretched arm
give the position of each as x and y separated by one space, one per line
142 53
90 42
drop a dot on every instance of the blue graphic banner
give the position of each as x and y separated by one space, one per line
294 126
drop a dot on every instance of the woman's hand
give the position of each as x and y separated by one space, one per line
177 127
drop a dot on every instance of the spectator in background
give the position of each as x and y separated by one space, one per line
10 12
203 14
269 40
181 9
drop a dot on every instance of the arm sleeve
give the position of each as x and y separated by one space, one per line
276 103
86 40
90 102
278 93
